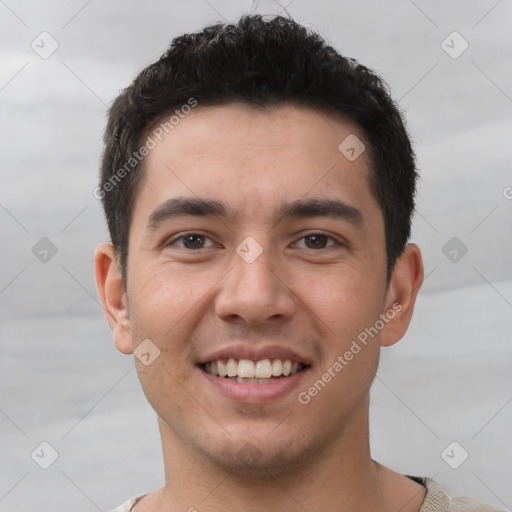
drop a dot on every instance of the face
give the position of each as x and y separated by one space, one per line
256 260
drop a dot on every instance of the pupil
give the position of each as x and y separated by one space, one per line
193 241
317 241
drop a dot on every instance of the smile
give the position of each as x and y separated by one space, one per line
264 371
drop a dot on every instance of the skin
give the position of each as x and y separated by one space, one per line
314 298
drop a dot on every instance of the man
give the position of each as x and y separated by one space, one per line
258 189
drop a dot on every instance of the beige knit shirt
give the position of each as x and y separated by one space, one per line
436 500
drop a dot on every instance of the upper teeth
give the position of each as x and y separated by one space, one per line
246 368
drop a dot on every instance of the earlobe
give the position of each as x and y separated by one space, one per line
403 289
113 297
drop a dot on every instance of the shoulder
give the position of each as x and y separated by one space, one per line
438 500
128 505
467 504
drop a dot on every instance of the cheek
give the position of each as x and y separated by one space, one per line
167 293
167 303
159 302
345 306
345 301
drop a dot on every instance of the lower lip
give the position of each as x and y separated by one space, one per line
254 392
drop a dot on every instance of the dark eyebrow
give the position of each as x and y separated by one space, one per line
181 206
311 207
300 208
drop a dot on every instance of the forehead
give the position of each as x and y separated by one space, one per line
282 127
254 159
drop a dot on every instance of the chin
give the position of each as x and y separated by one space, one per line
261 458
250 462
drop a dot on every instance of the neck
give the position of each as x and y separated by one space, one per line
341 476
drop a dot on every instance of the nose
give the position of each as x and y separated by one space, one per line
256 292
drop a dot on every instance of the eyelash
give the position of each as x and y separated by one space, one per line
329 238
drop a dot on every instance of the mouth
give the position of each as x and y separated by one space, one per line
245 371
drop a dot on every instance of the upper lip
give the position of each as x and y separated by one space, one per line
255 353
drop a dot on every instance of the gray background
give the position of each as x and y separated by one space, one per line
63 382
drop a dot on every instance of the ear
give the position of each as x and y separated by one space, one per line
404 285
113 296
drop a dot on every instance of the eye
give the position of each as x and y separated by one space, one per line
191 241
318 241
